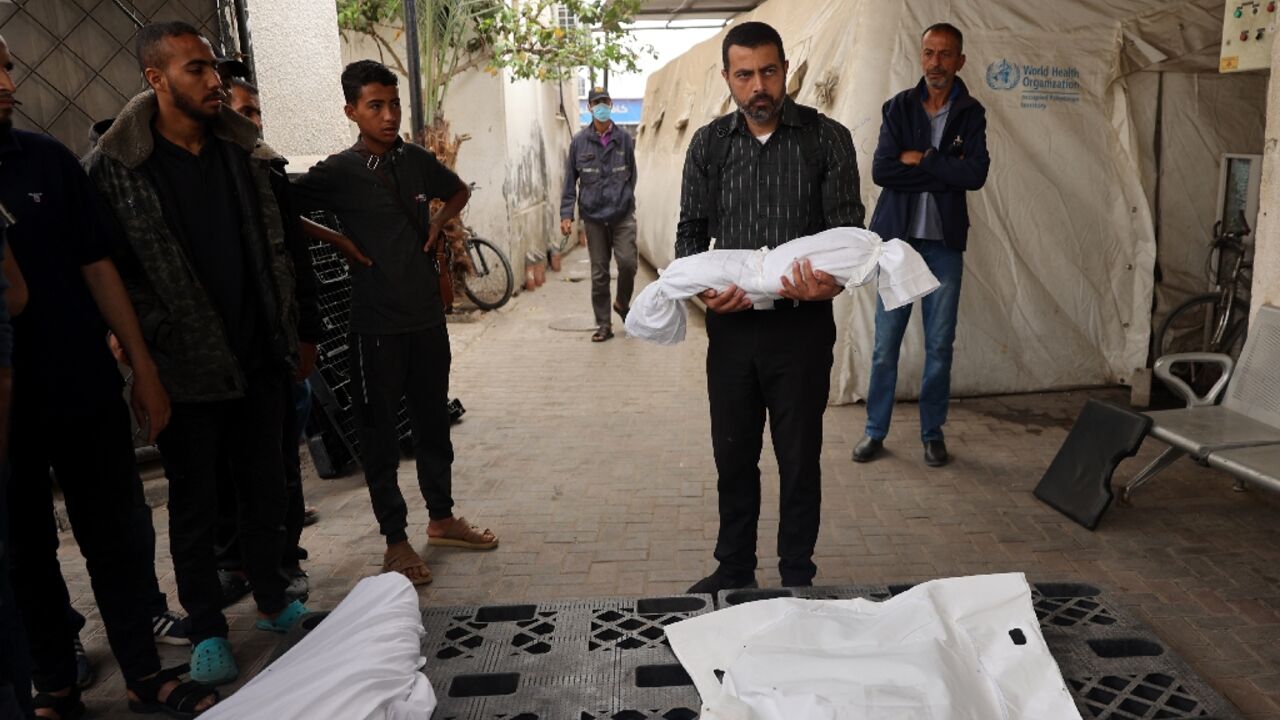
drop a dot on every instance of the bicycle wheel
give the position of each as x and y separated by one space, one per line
489 286
1189 328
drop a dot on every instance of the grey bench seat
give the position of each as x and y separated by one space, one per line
1249 416
1254 465
1199 431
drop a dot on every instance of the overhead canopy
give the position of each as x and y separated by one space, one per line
693 9
1106 122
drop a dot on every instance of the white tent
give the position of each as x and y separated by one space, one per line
1106 122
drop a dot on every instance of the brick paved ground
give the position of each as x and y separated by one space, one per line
593 463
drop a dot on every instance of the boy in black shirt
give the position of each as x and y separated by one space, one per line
379 189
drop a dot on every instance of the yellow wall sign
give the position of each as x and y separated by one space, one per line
1229 63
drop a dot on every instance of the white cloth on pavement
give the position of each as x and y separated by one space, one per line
853 256
959 649
362 662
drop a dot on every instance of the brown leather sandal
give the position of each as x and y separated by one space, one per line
402 558
465 535
602 333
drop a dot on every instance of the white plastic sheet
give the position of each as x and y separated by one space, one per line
958 649
851 255
361 663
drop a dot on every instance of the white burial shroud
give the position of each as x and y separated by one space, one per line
362 662
851 255
966 648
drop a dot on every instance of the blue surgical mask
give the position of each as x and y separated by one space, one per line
602 112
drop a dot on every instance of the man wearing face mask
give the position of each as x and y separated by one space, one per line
602 159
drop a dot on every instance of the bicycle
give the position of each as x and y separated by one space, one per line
478 267
1216 321
488 279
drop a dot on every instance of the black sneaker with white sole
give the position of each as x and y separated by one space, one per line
170 628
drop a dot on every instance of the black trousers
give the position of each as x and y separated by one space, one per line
91 452
230 556
247 430
774 362
15 657
415 367
144 547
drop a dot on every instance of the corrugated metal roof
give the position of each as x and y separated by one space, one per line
693 9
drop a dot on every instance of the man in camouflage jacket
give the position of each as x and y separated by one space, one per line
201 249
180 324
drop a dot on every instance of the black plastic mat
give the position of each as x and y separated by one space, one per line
608 659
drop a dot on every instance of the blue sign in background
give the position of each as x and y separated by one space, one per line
626 111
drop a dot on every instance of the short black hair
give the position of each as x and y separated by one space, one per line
147 46
365 72
237 81
946 29
751 35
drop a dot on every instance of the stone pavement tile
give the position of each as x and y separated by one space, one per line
593 464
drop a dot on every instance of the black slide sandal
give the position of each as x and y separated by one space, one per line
181 702
68 707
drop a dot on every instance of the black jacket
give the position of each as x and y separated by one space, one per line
958 166
607 175
306 286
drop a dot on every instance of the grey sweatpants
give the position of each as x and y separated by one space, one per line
616 239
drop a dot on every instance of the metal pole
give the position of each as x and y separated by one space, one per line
415 71
128 12
246 43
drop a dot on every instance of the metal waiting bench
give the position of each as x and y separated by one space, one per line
1242 435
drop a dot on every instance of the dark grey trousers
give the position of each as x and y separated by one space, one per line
606 240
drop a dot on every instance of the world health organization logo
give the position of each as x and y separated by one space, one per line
1003 75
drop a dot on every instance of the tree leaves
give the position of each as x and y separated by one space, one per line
525 38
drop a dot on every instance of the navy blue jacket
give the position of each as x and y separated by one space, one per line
607 175
960 165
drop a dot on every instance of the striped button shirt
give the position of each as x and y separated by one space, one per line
766 194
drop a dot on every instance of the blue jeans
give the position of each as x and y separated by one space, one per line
939 308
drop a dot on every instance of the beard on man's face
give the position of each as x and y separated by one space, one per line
761 107
194 105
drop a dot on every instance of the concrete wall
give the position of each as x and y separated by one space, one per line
1266 261
537 144
473 107
298 58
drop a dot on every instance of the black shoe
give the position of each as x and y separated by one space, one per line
234 586
456 411
935 453
299 587
868 449
85 674
170 628
715 582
